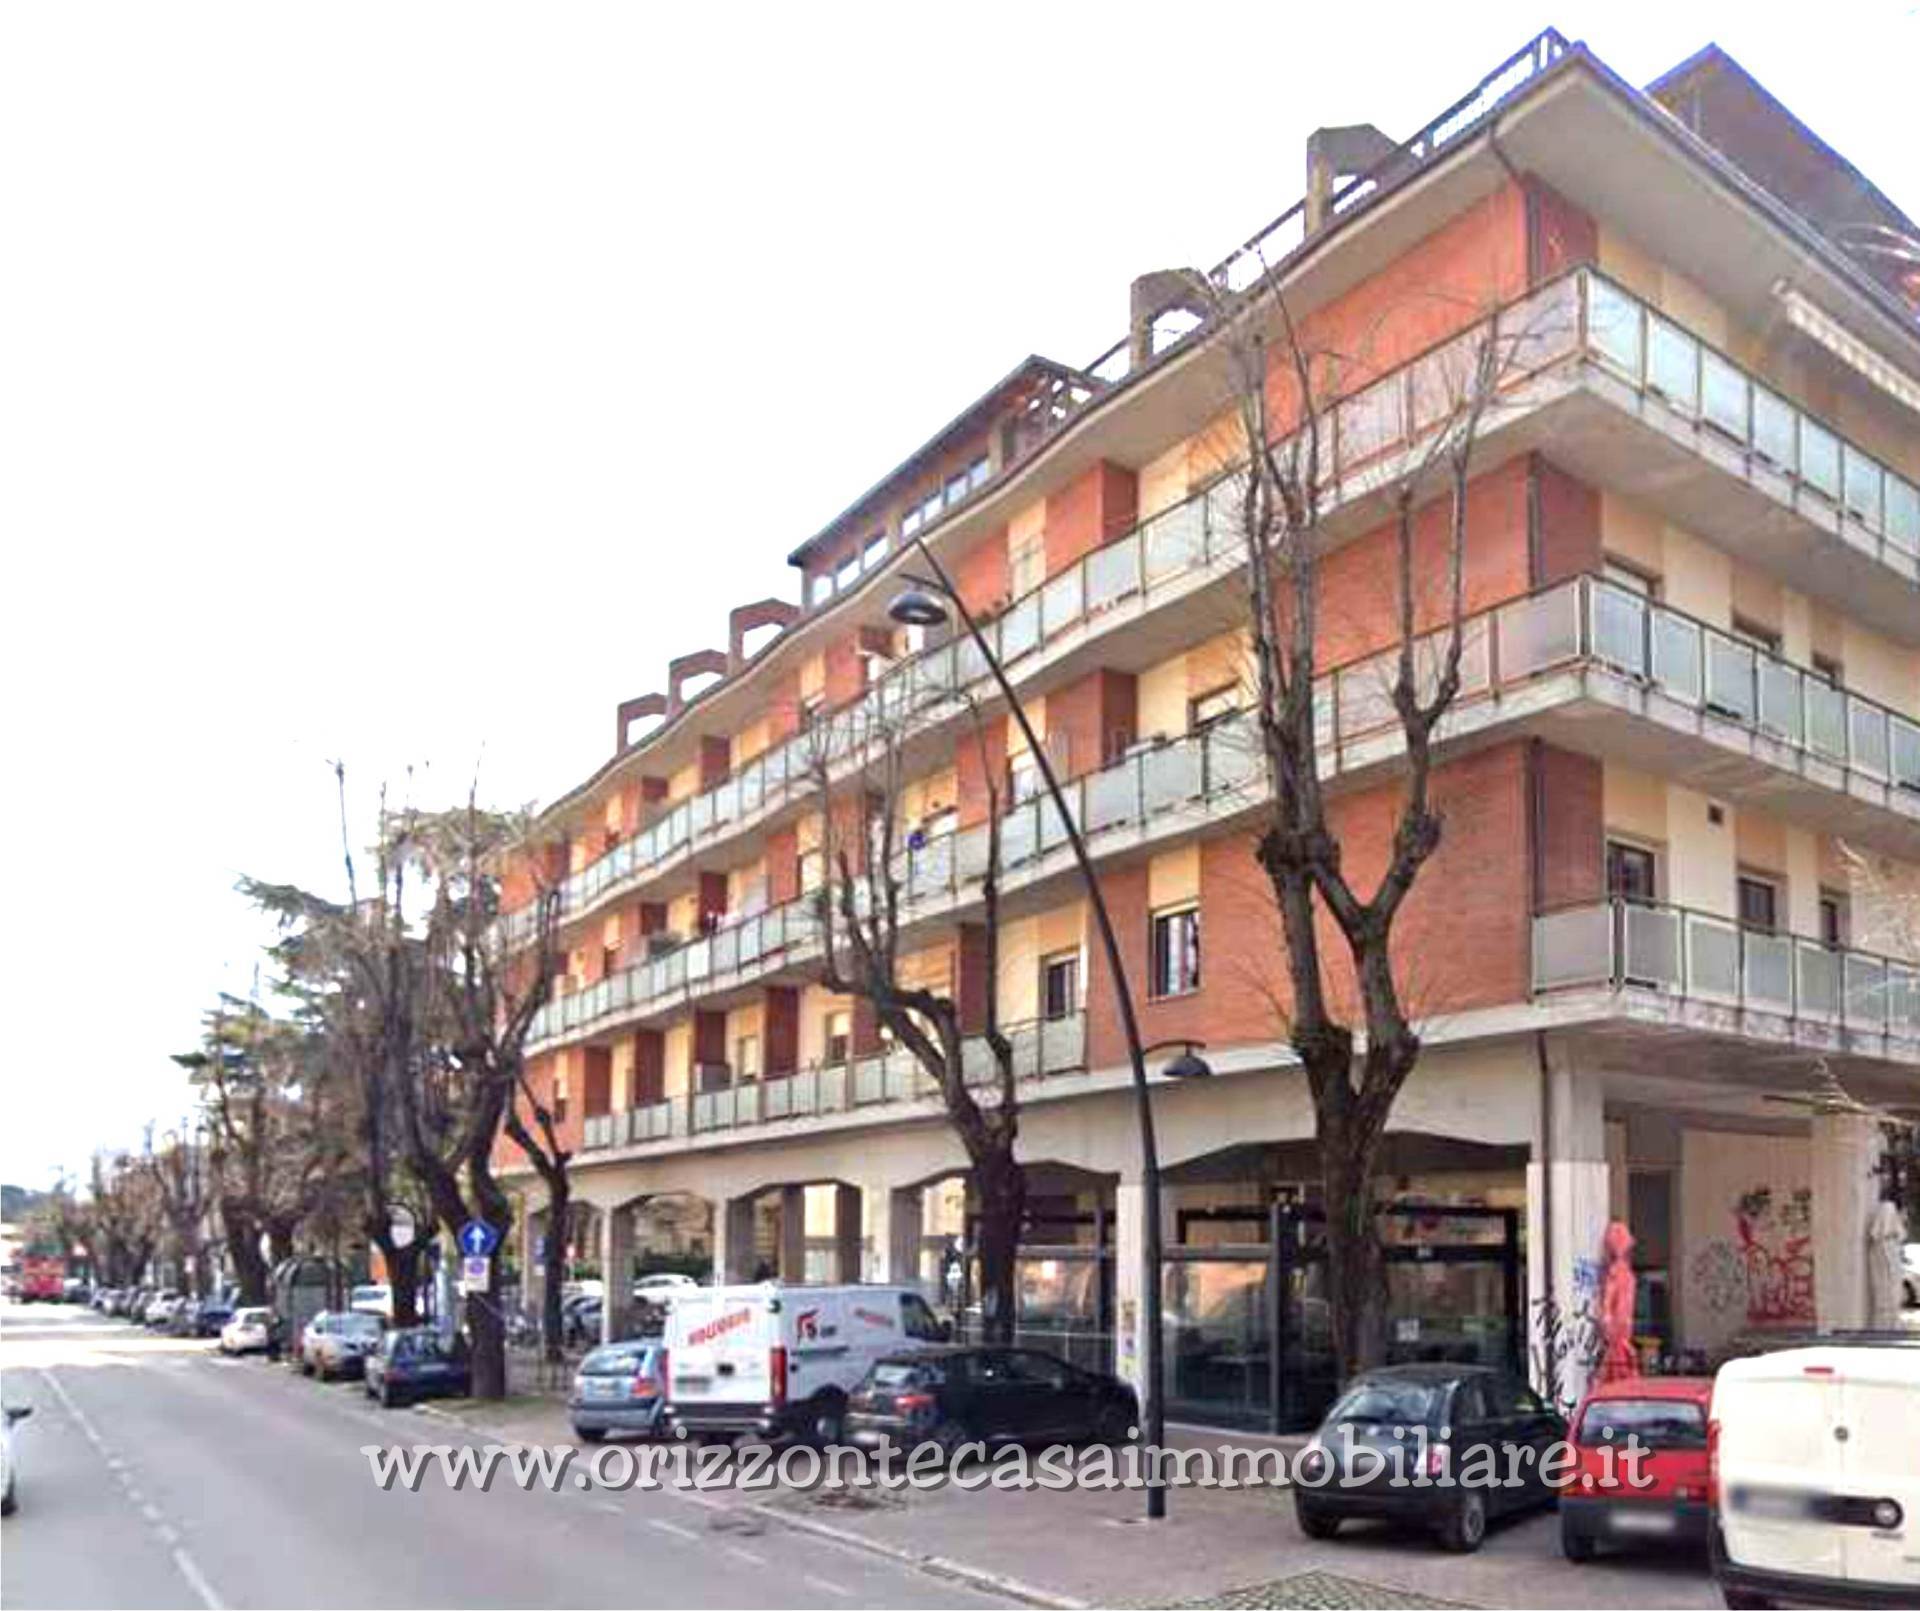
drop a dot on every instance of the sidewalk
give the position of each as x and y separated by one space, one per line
1061 1547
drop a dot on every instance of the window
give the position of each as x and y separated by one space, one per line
819 587
1215 705
1758 903
1632 872
839 1037
813 870
1060 984
1023 777
846 573
560 1096
874 552
812 708
1828 670
746 1057
918 1321
1027 566
1833 920
978 473
1631 577
1175 964
956 488
1760 637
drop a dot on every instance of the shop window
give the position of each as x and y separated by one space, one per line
1060 985
1759 900
1632 872
1175 962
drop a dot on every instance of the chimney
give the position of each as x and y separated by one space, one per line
1337 154
1162 291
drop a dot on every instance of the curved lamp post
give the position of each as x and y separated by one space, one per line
926 603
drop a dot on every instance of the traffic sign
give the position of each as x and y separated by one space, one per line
473 1273
478 1239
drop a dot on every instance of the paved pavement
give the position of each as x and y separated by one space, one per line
155 1474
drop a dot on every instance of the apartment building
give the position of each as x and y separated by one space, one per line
1681 866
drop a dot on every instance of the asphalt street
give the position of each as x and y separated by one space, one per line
154 1473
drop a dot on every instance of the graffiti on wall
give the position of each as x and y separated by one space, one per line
1763 1270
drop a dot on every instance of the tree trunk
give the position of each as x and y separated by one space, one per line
487 1338
553 1265
280 1241
1356 1264
243 1249
1000 1187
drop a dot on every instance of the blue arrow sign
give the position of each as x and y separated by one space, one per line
478 1239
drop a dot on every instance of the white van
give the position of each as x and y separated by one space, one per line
772 1359
1815 1460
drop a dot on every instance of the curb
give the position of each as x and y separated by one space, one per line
937 1565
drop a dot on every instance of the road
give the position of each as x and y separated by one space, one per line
154 1473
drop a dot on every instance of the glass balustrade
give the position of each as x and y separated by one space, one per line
1581 314
1700 956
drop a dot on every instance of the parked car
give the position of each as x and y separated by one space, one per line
1440 1418
580 1320
620 1387
9 1458
953 1395
159 1308
210 1317
245 1332
101 1302
1662 1497
341 1347
412 1363
772 1359
1815 1476
375 1298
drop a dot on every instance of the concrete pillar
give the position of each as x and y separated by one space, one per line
733 1240
892 1251
1129 1236
1842 1151
846 1233
1568 1202
616 1272
793 1233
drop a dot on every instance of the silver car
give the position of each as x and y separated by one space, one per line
337 1344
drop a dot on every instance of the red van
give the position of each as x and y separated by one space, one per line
1661 1497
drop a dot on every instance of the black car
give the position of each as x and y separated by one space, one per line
1412 1443
956 1395
413 1363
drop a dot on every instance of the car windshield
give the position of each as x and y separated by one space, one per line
1659 1423
615 1362
1385 1401
369 1294
360 1325
252 1317
892 1373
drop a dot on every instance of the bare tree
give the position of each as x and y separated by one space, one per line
1357 1045
860 907
123 1209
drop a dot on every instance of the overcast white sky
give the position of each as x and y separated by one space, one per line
406 382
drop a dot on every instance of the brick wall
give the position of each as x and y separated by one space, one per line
1095 507
1461 941
1570 826
1086 716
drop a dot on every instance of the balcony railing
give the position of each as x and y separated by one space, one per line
1581 314
1584 622
1041 1047
1697 956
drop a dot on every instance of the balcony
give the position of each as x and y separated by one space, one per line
1672 966
1585 663
1591 368
1041 1048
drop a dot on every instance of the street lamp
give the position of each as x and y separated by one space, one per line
922 605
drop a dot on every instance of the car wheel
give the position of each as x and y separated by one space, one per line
1574 1544
1115 1425
1746 1600
590 1434
827 1422
388 1398
1316 1523
1465 1529
8 1503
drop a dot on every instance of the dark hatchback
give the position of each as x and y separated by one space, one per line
1431 1427
956 1395
415 1363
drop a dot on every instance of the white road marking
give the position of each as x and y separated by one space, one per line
674 1528
609 1507
826 1585
188 1567
746 1555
